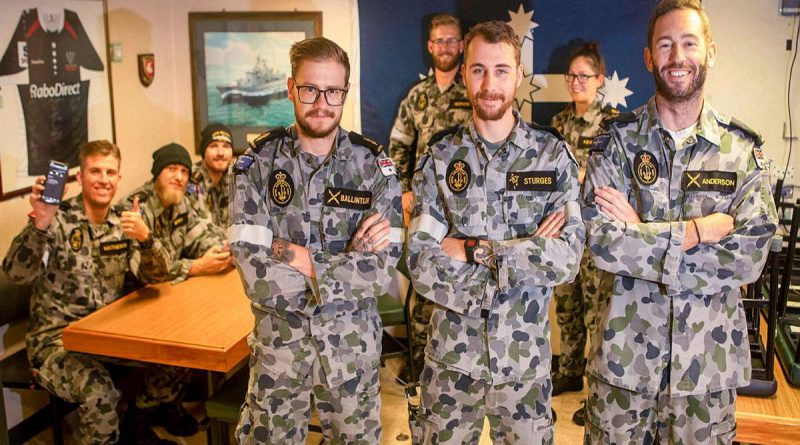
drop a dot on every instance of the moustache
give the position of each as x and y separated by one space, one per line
487 95
320 113
676 66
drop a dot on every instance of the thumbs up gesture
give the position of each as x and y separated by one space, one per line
133 224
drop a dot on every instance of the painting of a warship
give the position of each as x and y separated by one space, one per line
259 86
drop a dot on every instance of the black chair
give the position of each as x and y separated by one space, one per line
788 302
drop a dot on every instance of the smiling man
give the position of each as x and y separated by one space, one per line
678 207
495 225
316 229
210 181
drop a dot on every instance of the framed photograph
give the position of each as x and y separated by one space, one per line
240 63
54 86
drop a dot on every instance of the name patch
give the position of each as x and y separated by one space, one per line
709 181
115 247
180 220
348 199
461 104
585 142
537 181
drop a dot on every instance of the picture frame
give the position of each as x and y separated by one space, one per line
240 64
55 86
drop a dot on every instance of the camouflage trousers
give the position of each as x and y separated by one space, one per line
277 408
84 379
421 313
454 406
619 416
576 311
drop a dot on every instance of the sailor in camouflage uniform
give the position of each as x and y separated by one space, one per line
316 229
195 243
678 206
75 255
495 225
436 103
210 182
579 122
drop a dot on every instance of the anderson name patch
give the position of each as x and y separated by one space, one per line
709 181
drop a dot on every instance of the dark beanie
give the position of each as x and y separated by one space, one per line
214 132
170 154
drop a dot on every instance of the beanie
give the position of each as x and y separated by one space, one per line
214 132
170 154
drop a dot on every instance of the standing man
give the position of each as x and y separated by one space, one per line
437 102
210 181
316 229
495 225
678 207
195 243
75 255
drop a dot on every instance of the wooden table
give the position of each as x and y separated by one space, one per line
200 323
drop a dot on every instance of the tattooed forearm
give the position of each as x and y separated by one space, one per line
281 251
485 255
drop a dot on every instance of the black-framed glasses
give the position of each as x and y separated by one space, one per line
309 94
582 78
452 41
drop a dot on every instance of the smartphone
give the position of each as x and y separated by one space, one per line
54 184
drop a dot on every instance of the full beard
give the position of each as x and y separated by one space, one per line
487 114
445 65
680 95
317 133
169 197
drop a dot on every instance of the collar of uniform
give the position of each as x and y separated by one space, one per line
342 148
592 113
200 166
708 126
78 208
517 136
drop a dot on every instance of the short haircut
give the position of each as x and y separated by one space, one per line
444 20
98 148
318 49
664 7
493 32
591 52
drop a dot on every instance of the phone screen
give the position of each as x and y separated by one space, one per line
54 184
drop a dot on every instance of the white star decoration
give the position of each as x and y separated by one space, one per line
522 22
430 73
525 94
615 91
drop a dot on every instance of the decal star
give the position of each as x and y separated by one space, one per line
615 91
524 96
423 76
522 22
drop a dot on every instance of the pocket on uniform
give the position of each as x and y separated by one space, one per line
698 204
467 212
522 211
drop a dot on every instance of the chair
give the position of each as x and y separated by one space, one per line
15 373
788 304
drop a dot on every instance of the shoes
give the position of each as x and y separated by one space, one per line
135 430
579 418
174 418
563 383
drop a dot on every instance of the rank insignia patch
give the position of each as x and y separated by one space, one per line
709 181
76 239
243 163
281 188
538 181
180 220
348 199
458 176
584 142
645 167
599 143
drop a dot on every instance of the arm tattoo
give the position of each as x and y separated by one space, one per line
485 255
281 251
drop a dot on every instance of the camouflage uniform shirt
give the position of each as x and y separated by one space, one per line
668 307
213 197
579 131
76 268
494 327
426 110
279 191
185 229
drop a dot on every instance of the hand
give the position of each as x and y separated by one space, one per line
714 227
551 226
408 202
615 205
372 235
43 213
215 260
133 224
454 248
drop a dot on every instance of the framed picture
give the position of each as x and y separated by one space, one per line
240 63
54 86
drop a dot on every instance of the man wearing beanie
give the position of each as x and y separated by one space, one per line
194 242
210 180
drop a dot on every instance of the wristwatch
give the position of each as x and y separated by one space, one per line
470 244
147 243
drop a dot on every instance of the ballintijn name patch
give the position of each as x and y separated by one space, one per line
709 181
534 181
348 199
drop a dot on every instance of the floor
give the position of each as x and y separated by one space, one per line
394 416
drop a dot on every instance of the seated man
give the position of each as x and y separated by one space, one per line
75 255
210 180
196 245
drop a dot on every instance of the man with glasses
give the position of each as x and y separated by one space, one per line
316 230
437 102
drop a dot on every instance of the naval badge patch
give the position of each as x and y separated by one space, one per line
281 187
422 101
458 176
645 167
76 239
